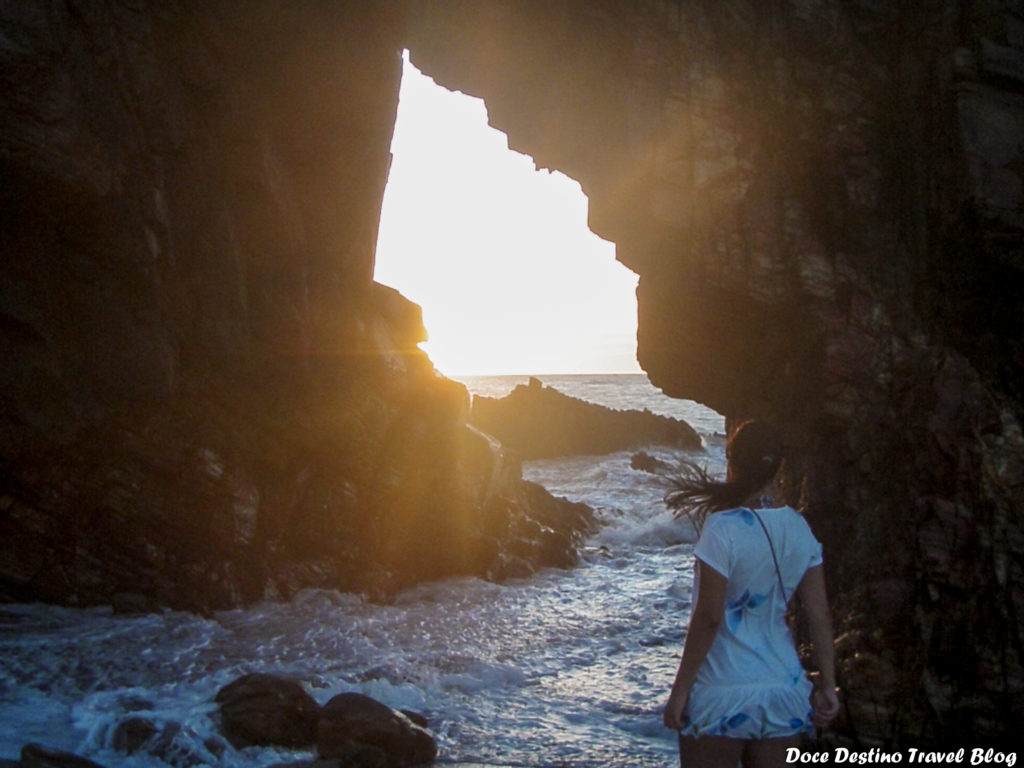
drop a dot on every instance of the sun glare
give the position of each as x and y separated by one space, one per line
497 253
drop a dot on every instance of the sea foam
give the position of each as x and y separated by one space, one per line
565 667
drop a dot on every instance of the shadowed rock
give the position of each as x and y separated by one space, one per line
540 422
265 710
354 720
133 734
644 462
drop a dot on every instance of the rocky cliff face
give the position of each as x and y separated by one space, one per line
824 203
206 398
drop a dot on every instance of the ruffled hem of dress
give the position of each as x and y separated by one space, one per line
749 711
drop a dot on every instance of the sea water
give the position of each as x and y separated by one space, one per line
565 668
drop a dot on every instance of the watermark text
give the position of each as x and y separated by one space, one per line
909 756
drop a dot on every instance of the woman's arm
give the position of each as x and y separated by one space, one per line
704 623
814 603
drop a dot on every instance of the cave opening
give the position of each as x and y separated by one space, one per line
496 251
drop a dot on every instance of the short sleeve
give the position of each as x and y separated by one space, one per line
816 557
714 546
813 546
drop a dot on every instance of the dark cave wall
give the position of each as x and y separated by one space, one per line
184 266
823 201
206 400
160 193
169 137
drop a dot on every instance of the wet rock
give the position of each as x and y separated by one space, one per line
540 422
182 747
266 710
354 720
132 734
540 531
416 717
571 517
644 462
173 743
38 756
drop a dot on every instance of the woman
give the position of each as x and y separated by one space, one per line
741 692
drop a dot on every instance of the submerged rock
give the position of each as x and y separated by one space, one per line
266 710
133 734
352 720
540 422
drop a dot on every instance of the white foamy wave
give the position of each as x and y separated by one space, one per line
628 503
659 530
577 660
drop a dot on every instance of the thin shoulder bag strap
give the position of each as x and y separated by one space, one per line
775 559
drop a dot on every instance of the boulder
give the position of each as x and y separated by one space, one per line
266 710
352 720
416 717
132 734
540 422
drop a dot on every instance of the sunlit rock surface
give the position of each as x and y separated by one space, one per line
206 400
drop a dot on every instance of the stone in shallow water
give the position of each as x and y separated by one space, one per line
132 734
352 719
266 710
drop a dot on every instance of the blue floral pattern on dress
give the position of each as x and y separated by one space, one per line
728 723
741 721
734 609
742 513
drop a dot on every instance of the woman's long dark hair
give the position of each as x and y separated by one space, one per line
754 455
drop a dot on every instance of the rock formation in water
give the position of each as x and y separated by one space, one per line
539 422
203 393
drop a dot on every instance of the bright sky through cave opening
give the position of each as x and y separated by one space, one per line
497 253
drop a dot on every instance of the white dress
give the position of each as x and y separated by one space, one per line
752 685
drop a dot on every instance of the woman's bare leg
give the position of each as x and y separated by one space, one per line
710 751
768 753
